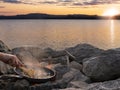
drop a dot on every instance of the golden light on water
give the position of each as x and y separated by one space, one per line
112 32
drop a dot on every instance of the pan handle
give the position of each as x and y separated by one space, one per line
10 76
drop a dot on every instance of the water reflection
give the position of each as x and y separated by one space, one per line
112 32
59 34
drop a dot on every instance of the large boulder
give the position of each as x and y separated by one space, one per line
102 68
82 51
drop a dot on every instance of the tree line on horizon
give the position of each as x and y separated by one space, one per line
49 16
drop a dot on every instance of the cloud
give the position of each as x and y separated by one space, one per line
77 4
48 2
64 2
11 1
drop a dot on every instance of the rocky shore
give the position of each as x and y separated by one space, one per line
82 67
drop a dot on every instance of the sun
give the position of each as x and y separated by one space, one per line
111 12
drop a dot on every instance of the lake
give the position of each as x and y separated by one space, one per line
59 34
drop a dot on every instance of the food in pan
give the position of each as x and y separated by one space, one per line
35 73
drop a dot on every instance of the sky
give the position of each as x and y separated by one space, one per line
58 7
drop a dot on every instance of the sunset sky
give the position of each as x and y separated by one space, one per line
91 7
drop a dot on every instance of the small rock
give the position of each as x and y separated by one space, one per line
76 65
78 84
4 48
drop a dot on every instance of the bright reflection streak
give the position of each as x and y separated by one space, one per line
112 32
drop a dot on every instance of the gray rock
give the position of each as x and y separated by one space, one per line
60 70
4 48
107 85
4 68
111 51
9 86
71 89
82 51
21 85
56 60
3 84
76 65
54 53
78 84
74 75
49 86
102 68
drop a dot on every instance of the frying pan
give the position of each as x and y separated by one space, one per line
43 79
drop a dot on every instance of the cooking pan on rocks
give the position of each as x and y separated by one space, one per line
41 75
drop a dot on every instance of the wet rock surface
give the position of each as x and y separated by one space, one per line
83 67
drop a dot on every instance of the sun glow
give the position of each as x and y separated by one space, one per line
111 12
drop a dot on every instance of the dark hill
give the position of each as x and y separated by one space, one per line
49 16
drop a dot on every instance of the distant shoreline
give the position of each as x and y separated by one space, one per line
67 17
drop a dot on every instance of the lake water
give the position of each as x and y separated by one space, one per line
59 34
